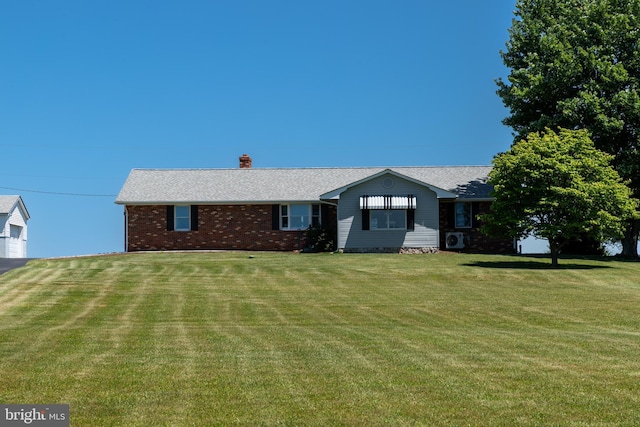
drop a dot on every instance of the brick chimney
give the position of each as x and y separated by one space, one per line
245 161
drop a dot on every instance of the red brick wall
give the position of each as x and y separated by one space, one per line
475 241
219 227
248 227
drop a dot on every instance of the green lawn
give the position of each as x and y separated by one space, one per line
285 339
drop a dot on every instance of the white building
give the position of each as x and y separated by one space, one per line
13 227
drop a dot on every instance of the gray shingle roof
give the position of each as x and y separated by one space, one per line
265 185
8 203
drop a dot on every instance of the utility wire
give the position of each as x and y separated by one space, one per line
59 194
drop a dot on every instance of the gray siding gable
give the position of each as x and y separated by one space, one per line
425 232
389 174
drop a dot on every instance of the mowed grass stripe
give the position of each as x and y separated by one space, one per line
219 339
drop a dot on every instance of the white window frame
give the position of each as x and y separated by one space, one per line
176 218
373 225
468 223
313 212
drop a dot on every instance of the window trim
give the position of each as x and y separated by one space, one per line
313 218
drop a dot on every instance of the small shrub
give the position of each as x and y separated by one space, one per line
319 239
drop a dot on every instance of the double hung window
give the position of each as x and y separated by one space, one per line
182 218
463 215
299 216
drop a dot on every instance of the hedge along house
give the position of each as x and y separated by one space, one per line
395 209
13 227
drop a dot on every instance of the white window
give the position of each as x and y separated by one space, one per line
388 219
463 215
182 218
299 216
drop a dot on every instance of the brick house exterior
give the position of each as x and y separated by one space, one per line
226 227
474 239
269 209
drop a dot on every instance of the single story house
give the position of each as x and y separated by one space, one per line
370 209
13 227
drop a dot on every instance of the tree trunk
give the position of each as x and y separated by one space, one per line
630 239
554 246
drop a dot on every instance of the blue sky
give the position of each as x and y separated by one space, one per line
90 90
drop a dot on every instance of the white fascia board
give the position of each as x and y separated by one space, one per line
218 202
25 212
19 203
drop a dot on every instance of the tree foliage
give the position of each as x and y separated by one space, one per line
557 186
575 64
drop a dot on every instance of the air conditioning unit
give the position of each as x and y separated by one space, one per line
455 240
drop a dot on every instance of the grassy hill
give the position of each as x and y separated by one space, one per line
286 339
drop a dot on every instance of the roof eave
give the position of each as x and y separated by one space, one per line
440 192
210 202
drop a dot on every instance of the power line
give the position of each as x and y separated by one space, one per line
58 193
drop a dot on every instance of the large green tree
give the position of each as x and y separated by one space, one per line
557 186
576 64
